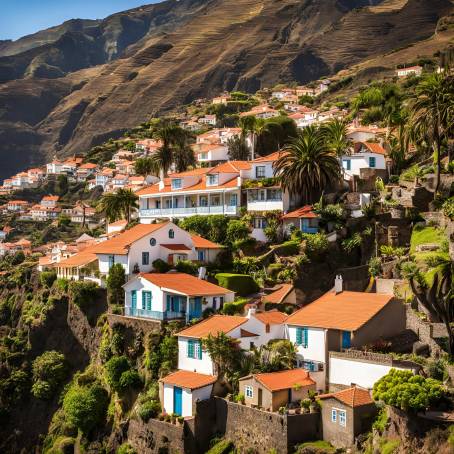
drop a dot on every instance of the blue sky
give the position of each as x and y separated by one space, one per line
22 17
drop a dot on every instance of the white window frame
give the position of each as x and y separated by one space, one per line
177 183
342 417
334 415
213 180
249 391
197 350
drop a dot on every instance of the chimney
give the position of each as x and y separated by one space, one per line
202 272
338 284
251 311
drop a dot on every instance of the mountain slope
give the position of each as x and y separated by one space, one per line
183 50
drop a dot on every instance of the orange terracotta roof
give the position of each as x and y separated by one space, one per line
185 284
271 317
374 147
275 381
17 202
203 243
231 167
193 172
189 380
80 259
121 243
347 311
213 325
304 212
120 223
279 295
270 158
88 165
176 247
353 397
51 198
46 260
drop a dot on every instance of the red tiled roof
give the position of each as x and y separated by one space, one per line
189 380
203 243
271 317
213 325
185 284
374 147
278 295
276 381
231 167
353 397
305 212
347 311
270 158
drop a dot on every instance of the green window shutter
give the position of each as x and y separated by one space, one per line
190 349
144 301
200 349
169 308
305 337
299 336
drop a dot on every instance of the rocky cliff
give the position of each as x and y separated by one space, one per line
68 88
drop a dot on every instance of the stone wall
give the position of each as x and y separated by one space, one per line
155 437
356 278
136 324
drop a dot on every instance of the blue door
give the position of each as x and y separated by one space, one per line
346 339
177 400
195 308
134 302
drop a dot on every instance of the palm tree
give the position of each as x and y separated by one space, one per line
183 156
335 132
253 127
398 144
144 166
432 114
118 205
238 149
307 165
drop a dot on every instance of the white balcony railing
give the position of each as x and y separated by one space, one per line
165 212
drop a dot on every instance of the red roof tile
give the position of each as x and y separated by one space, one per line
189 380
353 397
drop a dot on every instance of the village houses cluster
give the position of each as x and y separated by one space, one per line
323 332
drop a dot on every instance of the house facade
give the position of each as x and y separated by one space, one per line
367 155
172 296
303 218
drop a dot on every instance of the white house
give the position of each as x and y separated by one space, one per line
303 218
341 320
410 71
202 191
208 120
211 153
180 390
304 117
357 133
54 167
367 155
261 112
172 296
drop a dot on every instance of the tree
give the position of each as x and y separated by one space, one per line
62 185
307 165
49 370
253 127
237 230
432 114
402 389
85 407
238 148
119 204
225 353
335 132
144 166
115 281
115 368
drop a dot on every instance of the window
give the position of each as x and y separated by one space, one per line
346 339
342 417
310 366
203 156
249 391
201 256
259 223
347 164
203 201
173 303
134 298
176 183
260 172
146 300
333 415
171 234
152 241
212 180
145 258
371 162
274 194
267 328
302 337
111 261
194 349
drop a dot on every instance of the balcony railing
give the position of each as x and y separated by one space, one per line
309 229
218 209
155 315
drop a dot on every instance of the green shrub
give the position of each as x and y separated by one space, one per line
126 448
47 278
129 379
236 307
85 407
222 447
237 230
49 370
241 284
375 266
316 245
82 293
149 409
114 369
289 248
115 281
186 266
406 391
161 266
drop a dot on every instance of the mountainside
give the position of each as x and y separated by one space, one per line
68 88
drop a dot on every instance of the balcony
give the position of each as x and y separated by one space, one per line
179 212
155 315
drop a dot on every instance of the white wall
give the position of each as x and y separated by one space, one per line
361 161
203 366
158 299
188 398
343 371
316 349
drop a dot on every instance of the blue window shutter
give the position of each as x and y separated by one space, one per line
299 336
200 349
144 301
305 337
190 349
371 161
134 297
168 303
176 304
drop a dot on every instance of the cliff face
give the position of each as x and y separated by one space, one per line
71 87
